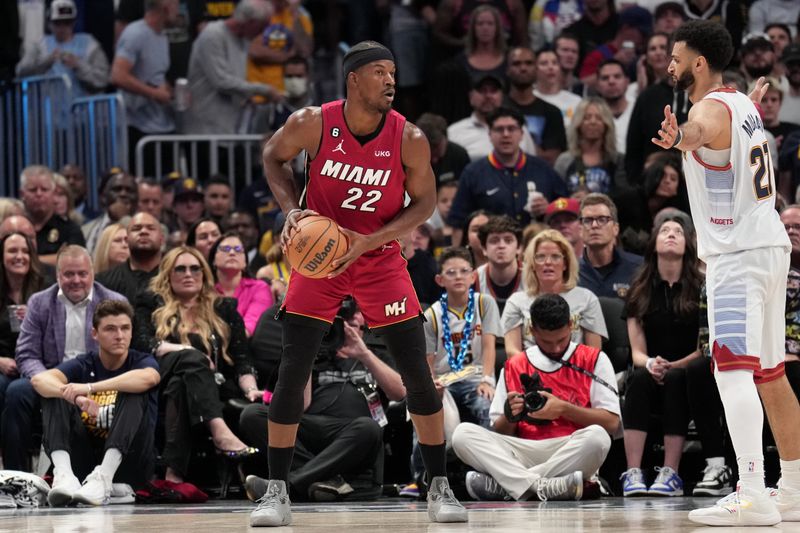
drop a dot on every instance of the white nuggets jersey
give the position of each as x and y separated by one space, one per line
733 205
486 321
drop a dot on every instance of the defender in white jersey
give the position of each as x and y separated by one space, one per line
731 187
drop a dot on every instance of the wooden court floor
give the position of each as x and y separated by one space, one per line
610 514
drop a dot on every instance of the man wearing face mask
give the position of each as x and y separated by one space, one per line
298 89
544 444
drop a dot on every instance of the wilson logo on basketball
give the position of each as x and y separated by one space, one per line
319 257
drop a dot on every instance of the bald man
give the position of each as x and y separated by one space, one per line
145 241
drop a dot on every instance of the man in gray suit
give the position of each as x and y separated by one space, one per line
57 327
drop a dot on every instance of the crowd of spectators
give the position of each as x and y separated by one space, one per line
556 221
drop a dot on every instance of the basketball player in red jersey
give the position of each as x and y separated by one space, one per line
363 159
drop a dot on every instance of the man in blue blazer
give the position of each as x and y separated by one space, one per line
57 327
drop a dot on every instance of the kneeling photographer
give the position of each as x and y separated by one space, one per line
339 450
553 412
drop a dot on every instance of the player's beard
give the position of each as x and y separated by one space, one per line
684 81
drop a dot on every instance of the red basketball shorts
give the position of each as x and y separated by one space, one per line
378 280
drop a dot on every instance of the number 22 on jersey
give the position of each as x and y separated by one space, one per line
763 179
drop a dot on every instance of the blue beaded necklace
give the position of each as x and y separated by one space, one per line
456 362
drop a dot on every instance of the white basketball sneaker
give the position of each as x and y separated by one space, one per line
740 508
787 501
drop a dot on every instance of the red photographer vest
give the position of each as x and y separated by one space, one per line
567 384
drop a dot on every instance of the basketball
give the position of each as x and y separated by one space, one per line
314 246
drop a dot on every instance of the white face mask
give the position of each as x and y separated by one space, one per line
295 87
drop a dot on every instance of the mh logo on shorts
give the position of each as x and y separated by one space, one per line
395 308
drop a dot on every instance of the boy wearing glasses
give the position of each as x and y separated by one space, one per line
605 269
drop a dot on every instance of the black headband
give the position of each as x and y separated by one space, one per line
355 59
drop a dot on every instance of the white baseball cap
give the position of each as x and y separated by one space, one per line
63 10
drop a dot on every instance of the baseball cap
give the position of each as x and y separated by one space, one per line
791 54
562 205
756 41
63 10
480 80
187 187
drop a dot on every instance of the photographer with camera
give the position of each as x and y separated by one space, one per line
340 438
553 411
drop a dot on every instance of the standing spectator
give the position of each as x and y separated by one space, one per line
790 111
145 239
605 269
550 86
765 12
20 277
118 192
550 267
201 12
9 41
56 328
485 97
218 197
592 163
229 264
543 120
448 159
37 186
508 181
289 32
298 93
612 86
78 55
453 23
76 179
217 70
563 215
112 248
140 69
663 320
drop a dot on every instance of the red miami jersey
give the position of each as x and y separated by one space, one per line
362 188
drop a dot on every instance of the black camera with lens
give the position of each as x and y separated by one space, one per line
335 337
533 400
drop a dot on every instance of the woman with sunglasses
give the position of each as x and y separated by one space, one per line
229 263
200 342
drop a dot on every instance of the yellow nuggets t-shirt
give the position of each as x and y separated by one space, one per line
279 35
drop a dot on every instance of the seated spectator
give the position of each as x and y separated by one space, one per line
20 224
20 277
501 275
771 105
605 269
563 215
421 265
218 67
277 270
77 55
567 48
597 25
56 328
765 12
592 163
651 68
112 248
145 238
472 226
453 23
201 346
550 267
667 17
543 120
187 203
448 159
76 179
443 232
664 186
118 199
150 197
244 225
758 57
547 453
550 85
662 311
790 216
339 439
473 132
635 25
781 36
99 412
612 86
203 234
11 207
65 205
508 181
37 187
485 45
548 19
789 164
217 197
229 264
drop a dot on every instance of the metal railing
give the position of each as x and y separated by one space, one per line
236 156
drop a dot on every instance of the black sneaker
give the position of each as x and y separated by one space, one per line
717 481
483 487
329 490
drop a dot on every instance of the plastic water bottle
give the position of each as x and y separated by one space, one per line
533 194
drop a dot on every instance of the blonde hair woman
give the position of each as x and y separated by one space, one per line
200 341
65 203
112 248
592 163
550 267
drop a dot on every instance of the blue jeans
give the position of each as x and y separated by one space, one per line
472 407
21 405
